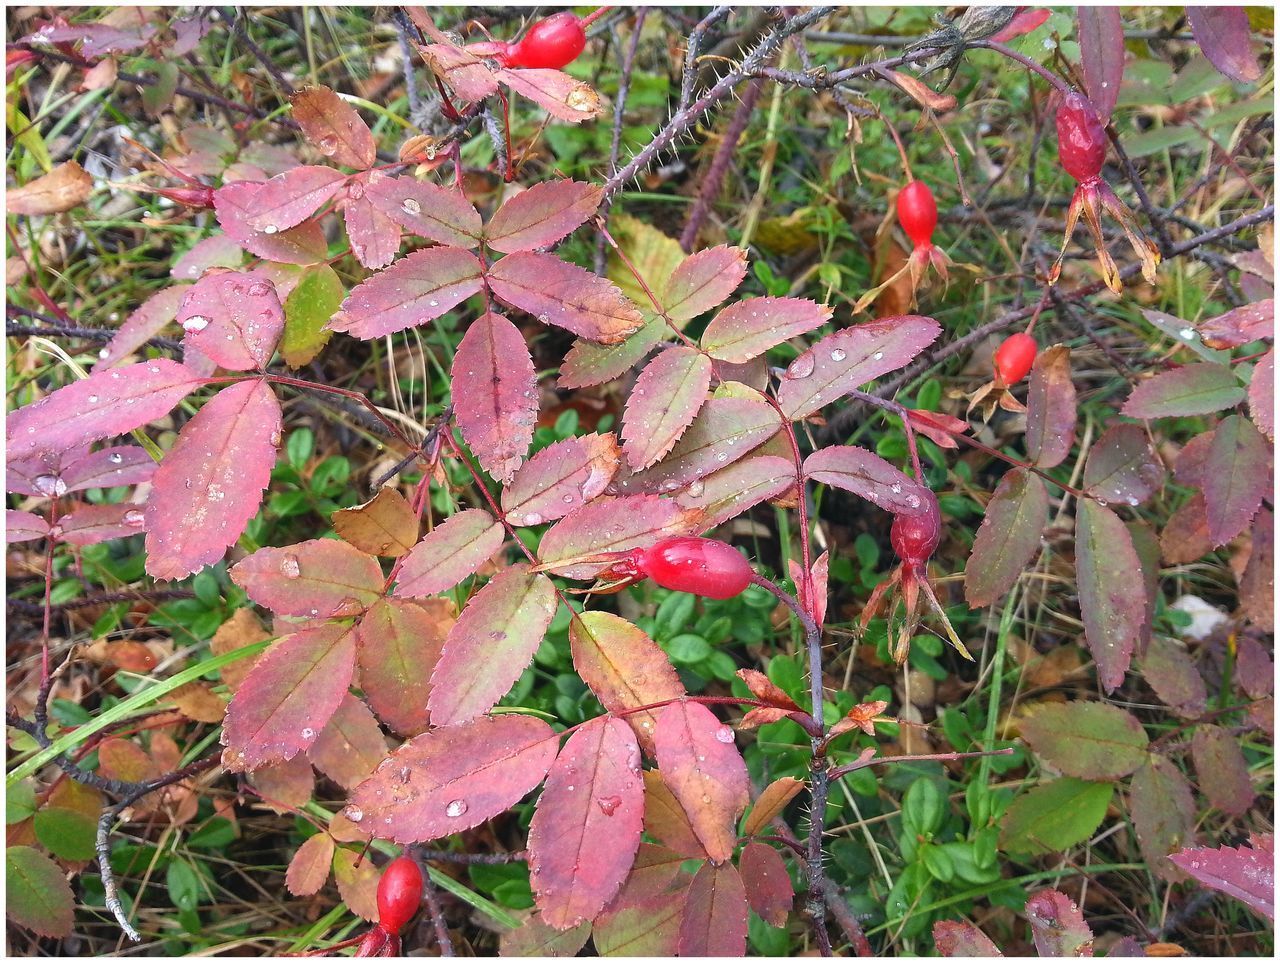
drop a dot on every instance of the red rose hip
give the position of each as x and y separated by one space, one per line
399 893
1082 140
553 42
917 212
1015 357
915 537
700 566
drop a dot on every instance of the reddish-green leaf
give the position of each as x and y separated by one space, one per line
357 878
1245 873
729 492
491 643
291 693
1257 584
437 213
1008 537
1054 816
307 310
1051 407
318 578
611 525
702 766
586 829
644 918
108 402
1237 476
752 326
560 478
842 361
1223 36
541 215
449 553
1112 602
1195 389
1221 769
351 744
285 786
868 476
1262 397
663 403
1169 671
702 281
1122 467
147 321
290 198
38 896
398 644
624 668
496 403
1089 740
310 866
234 319
1185 536
334 128
536 938
1163 813
210 483
556 92
384 525
952 938
771 802
665 819
767 884
557 292
715 913
447 780
1239 326
418 288
1057 925
1102 56
588 363
374 237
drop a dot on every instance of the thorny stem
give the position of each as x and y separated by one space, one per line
619 112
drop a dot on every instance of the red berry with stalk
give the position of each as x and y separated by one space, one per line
1014 358
399 896
554 42
682 563
918 215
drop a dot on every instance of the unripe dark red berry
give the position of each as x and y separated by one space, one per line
1015 357
700 566
1082 139
915 537
399 893
554 42
918 212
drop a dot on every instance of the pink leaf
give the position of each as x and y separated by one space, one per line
309 869
1102 56
109 467
952 938
729 492
320 578
142 325
1023 22
1112 603
844 360
715 913
939 428
868 476
1223 36
416 289
374 237
1123 467
91 524
703 281
751 327
107 403
555 91
610 525
470 79
215 251
557 292
560 478
334 128
437 213
1239 326
541 215
290 198
663 403
287 698
350 745
448 780
768 887
399 643
235 205
1057 925
234 319
1194 389
705 772
1237 476
23 526
491 644
1008 537
586 830
210 483
1245 873
497 408
1262 395
449 553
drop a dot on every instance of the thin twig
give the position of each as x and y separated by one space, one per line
619 113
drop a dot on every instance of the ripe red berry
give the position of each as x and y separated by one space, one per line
915 537
1015 357
917 212
700 566
1082 140
553 42
399 893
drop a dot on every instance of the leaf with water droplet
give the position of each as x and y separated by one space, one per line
319 574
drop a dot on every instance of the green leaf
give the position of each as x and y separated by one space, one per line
1159 139
687 649
307 310
37 894
1054 816
67 833
1089 740
19 803
184 885
924 807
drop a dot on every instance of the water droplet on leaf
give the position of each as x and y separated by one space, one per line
455 808
289 566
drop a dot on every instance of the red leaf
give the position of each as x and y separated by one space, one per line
39 897
560 478
235 205
702 281
1051 407
842 361
319 578
715 913
109 467
418 288
768 887
1123 467
290 198
464 72
1173 676
234 319
1057 925
1223 36
285 786
559 94
586 830
1257 594
1102 56
91 524
705 772
398 645
1023 22
1237 476
211 482
1008 537
23 526
868 476
291 693
451 779
611 525
752 326
1245 873
374 237
664 401
217 250
1112 602
952 938
437 213
109 402
765 690
491 644
1163 813
142 325
729 492
557 292
1194 389
624 668
1262 397
542 215
1221 770
497 409
350 745
1249 322
937 427
449 553
1185 536
334 128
